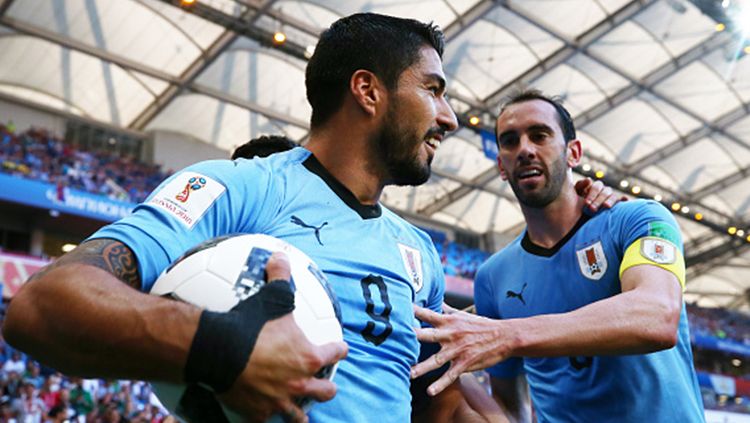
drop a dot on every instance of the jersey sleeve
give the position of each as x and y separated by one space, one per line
649 234
200 202
437 293
485 303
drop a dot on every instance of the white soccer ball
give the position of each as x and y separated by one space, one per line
219 273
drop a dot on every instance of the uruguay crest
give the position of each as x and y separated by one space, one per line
413 264
592 261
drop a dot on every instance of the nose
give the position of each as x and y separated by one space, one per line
446 117
526 149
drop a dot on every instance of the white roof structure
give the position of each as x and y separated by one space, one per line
659 91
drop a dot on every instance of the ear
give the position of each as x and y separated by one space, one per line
367 90
503 174
574 153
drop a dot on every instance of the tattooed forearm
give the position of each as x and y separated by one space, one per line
110 255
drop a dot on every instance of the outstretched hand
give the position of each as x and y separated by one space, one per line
468 341
597 195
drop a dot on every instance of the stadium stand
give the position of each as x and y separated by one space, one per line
36 154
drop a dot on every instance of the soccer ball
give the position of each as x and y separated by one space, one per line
221 272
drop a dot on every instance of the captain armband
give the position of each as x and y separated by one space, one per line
656 252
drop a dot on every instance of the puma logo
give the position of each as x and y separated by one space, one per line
519 295
297 221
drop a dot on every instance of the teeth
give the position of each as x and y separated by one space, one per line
432 142
529 173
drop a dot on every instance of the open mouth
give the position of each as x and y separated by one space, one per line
529 173
433 142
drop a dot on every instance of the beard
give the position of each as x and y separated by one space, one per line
541 197
397 149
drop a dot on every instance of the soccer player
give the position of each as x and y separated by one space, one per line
451 405
588 307
376 87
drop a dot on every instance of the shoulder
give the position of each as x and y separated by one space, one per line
638 208
507 254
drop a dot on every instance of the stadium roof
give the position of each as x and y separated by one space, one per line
660 91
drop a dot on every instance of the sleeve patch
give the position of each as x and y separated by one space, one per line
656 252
665 231
187 197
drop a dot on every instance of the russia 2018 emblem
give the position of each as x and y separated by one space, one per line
592 261
194 184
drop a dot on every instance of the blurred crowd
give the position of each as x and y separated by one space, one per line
37 154
719 323
460 260
31 393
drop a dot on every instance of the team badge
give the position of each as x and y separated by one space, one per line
187 196
658 250
592 261
413 264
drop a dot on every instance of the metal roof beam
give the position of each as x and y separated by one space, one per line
466 187
189 75
455 28
717 40
696 135
141 68
568 50
4 6
67 42
472 185
721 183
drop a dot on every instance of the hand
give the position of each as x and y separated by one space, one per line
282 366
597 194
468 341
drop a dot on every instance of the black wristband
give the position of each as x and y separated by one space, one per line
223 342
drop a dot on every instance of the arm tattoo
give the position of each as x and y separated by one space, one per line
108 254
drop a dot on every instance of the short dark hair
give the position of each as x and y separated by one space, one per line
263 146
384 45
563 116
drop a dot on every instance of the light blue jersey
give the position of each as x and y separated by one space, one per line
526 280
377 264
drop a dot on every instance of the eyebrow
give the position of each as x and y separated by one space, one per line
536 127
541 127
436 77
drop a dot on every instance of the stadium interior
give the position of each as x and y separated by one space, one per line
101 100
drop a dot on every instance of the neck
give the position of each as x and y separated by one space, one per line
344 150
547 226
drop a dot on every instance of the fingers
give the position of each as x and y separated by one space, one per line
430 364
445 381
292 413
449 310
605 199
277 267
332 352
426 315
582 187
319 389
428 335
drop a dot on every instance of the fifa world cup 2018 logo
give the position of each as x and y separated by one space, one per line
194 184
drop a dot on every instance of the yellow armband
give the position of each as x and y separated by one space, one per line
656 252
